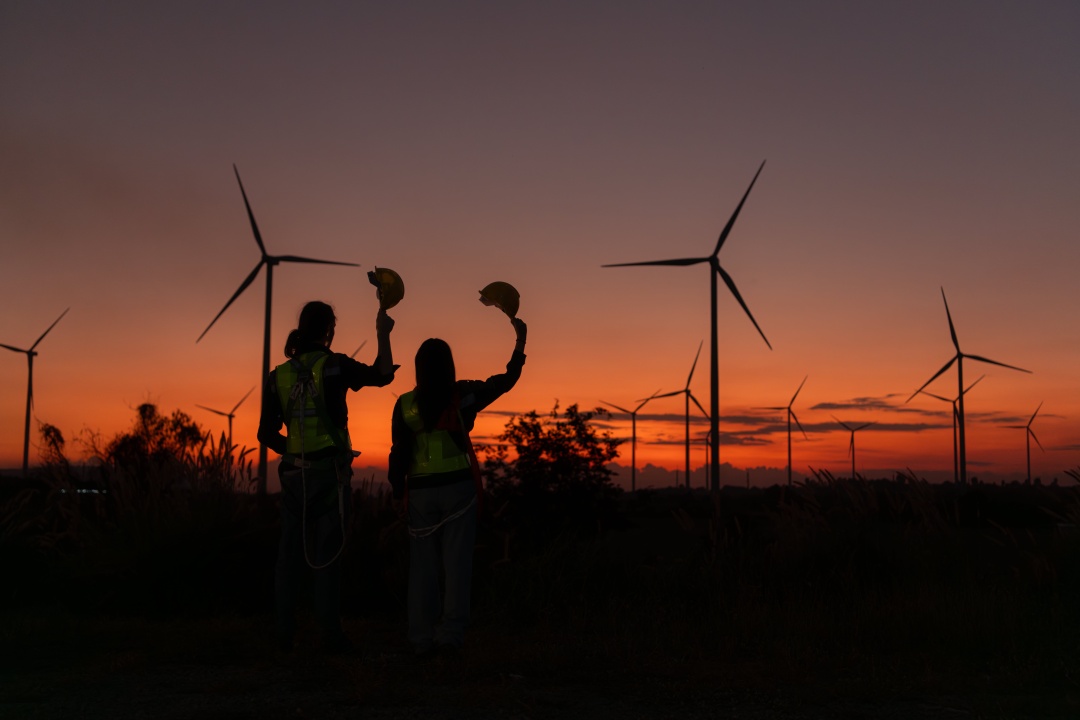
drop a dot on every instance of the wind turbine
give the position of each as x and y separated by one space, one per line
357 350
269 261
231 414
689 396
851 446
790 417
1028 434
959 360
30 390
633 436
714 372
955 417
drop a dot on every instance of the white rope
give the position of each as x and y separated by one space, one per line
425 531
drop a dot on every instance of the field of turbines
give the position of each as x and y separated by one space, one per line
903 597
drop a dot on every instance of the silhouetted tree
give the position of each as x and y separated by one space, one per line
155 440
550 471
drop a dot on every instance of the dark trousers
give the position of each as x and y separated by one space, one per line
319 531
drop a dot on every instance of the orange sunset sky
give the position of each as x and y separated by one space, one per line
909 146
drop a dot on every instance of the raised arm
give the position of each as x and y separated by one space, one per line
383 325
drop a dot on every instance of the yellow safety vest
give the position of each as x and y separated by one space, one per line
434 450
309 427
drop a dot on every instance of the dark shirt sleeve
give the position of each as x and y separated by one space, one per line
400 451
478 394
358 375
271 419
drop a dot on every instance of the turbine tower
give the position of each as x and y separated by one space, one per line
269 261
689 396
231 414
1028 435
959 360
714 373
633 436
955 417
851 445
790 417
30 354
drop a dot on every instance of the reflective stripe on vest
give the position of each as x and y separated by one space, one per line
315 435
434 451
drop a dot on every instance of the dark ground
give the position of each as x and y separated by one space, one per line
61 666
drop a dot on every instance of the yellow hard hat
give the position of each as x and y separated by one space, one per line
502 295
390 288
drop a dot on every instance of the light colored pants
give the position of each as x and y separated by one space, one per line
439 616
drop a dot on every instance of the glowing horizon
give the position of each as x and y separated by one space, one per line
908 150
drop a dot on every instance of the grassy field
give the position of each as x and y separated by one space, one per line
887 598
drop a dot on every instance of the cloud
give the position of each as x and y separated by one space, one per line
885 403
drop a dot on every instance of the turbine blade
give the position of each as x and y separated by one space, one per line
251 215
243 286
1034 414
943 399
358 349
1036 439
671 394
797 423
974 384
846 426
298 259
696 356
647 400
864 425
735 291
797 391
773 407
47 331
934 377
995 362
13 348
952 328
699 406
851 445
621 409
243 399
734 215
219 412
680 262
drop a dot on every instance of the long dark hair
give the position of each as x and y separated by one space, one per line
316 323
435 379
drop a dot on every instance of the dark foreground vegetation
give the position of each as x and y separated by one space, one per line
885 598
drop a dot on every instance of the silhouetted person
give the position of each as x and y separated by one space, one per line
307 395
433 467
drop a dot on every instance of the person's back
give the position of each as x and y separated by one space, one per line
307 394
434 469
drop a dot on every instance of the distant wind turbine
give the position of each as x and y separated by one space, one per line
357 350
269 261
851 445
1028 435
714 371
790 417
30 354
959 360
633 436
689 396
231 414
955 422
